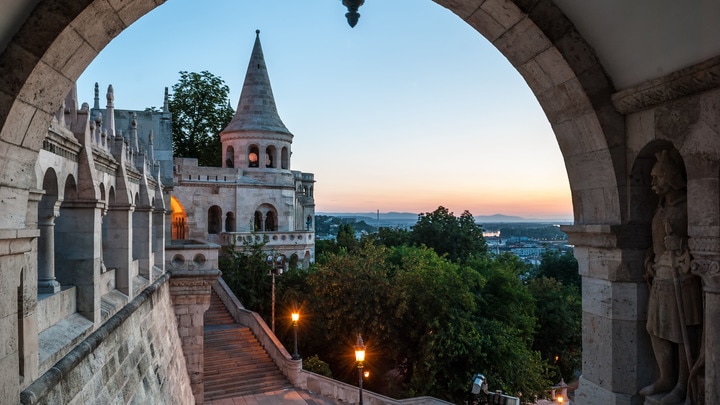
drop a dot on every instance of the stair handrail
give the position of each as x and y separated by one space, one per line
272 345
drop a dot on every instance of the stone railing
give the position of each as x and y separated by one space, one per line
292 369
289 367
272 239
188 254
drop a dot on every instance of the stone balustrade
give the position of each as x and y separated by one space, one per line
272 239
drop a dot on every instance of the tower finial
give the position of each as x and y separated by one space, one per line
96 105
257 32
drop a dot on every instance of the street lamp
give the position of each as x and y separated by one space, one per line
277 265
352 15
360 358
295 318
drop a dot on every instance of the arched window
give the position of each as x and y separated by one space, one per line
254 156
230 157
230 222
214 219
285 162
308 223
258 221
178 219
270 158
270 221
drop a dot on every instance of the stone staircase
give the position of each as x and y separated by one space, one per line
235 362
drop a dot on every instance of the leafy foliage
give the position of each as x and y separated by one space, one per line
429 321
200 110
457 237
560 266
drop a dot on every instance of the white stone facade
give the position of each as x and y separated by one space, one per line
255 196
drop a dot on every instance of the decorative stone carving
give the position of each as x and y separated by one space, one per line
675 309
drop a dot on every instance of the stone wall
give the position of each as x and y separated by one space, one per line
135 357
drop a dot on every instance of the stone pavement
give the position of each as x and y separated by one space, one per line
293 396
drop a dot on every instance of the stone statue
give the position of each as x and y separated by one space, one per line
675 303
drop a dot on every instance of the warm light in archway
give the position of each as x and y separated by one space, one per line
178 219
176 207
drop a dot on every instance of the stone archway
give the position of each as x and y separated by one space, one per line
60 38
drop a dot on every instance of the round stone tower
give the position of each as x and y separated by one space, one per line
256 140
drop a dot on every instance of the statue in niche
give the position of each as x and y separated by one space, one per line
675 304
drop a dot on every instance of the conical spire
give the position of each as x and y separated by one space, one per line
256 109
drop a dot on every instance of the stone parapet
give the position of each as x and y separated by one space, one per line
279 241
134 357
190 292
189 255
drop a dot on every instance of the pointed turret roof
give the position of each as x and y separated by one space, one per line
256 109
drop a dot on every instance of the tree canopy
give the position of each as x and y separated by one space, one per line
432 314
199 105
457 237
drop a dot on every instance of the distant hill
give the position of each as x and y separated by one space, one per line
412 217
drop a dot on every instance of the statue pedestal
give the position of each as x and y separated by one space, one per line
655 400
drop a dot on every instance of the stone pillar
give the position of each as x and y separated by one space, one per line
117 253
142 240
159 238
46 252
610 260
190 291
706 265
78 263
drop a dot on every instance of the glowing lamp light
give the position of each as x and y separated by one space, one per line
295 316
359 351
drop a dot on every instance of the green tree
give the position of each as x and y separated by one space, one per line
559 314
457 237
562 267
246 273
346 237
199 105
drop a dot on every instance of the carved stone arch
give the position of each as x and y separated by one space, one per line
253 155
557 64
103 195
214 220
229 157
285 158
266 218
70 189
111 196
271 156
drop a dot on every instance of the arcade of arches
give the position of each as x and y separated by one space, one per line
610 122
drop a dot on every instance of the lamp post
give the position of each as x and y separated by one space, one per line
352 15
360 358
295 318
277 264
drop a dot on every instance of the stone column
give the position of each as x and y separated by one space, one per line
117 253
706 265
190 291
79 262
159 238
616 358
142 241
46 252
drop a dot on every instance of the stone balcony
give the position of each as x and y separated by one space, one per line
280 240
188 255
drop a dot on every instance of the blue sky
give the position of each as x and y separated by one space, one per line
409 110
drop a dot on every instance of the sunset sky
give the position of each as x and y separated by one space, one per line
409 110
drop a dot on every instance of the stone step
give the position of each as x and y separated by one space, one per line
235 363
